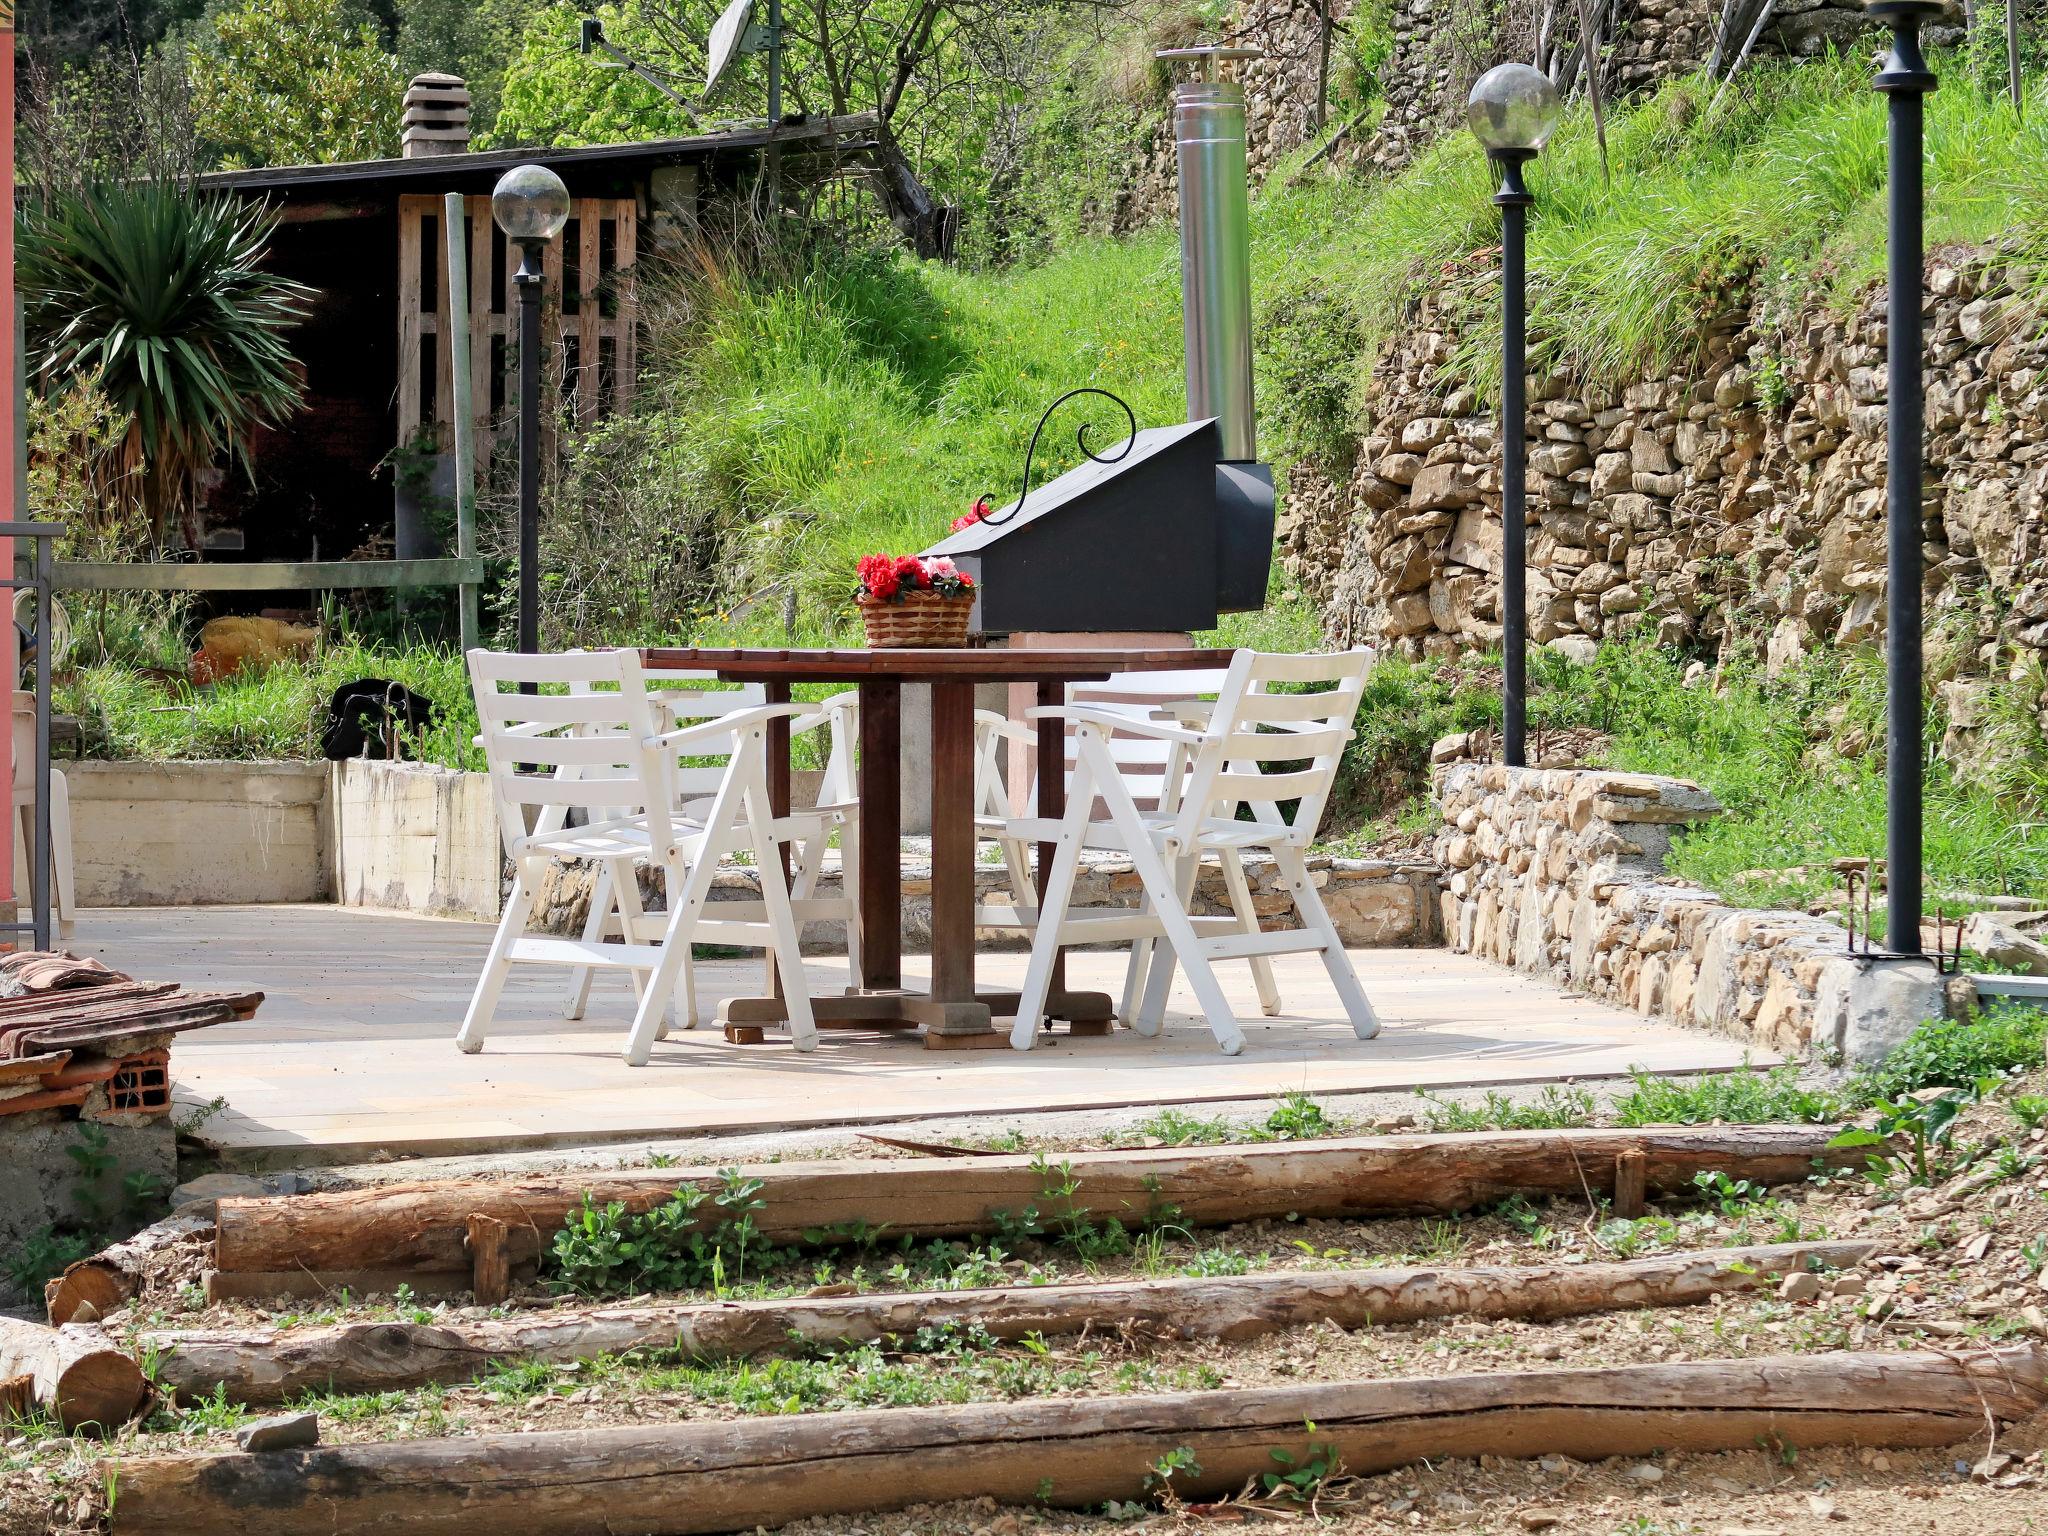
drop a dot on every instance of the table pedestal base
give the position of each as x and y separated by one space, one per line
946 1026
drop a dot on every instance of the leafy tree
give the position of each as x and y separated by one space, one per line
163 300
933 72
555 96
296 82
475 39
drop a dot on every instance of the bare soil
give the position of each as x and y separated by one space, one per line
1961 1263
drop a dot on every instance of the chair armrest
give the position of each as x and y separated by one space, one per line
1114 722
988 723
1187 711
723 725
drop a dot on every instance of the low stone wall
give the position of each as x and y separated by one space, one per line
188 834
412 837
1560 873
1377 904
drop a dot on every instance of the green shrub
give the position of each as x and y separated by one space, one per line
1736 1098
1956 1053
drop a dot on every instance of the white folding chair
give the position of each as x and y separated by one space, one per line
1150 767
1259 748
600 749
807 833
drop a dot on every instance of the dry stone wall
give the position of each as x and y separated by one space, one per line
1442 46
1738 500
1280 105
1560 874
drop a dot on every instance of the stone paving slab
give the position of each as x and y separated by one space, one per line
352 1054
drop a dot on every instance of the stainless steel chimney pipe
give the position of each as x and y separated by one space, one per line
1215 250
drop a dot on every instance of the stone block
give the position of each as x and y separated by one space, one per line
1865 1008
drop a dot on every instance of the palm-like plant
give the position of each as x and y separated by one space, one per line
162 297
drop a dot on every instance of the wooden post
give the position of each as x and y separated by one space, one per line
490 1261
455 226
1631 1171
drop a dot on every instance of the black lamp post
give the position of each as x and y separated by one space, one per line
1906 79
1512 110
531 205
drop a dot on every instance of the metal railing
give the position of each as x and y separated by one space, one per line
40 579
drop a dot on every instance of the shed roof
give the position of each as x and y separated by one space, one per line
439 170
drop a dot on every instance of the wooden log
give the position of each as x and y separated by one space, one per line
262 1366
1628 1185
111 1276
490 1265
79 1375
422 1225
678 1479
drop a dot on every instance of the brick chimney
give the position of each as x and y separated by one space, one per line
436 118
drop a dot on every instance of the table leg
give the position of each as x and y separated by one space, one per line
950 1014
881 853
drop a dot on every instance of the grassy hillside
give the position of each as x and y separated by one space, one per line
862 401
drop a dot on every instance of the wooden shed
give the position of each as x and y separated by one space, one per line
368 237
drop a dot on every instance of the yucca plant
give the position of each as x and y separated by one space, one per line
161 296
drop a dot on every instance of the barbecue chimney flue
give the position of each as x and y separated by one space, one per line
1215 249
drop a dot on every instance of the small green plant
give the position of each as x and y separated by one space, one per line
42 1255
1926 1124
1301 1478
1555 1108
2029 1109
1298 1117
1178 1462
695 1240
1733 1198
1735 1098
1955 1053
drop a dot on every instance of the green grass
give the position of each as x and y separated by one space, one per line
274 714
850 401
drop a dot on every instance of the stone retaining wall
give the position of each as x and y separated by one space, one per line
1560 874
1740 500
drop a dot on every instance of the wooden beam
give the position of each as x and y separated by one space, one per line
263 1365
264 576
679 1479
421 1225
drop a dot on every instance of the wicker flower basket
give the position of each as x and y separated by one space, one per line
920 619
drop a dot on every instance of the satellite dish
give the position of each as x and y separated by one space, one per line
729 39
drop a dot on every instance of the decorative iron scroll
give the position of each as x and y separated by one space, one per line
1080 441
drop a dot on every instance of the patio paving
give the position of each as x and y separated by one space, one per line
351 1056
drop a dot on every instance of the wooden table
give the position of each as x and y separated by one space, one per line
952 1013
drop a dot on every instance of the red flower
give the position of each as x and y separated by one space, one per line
878 576
973 515
910 572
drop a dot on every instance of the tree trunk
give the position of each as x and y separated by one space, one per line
908 202
421 1226
684 1478
78 1376
262 1366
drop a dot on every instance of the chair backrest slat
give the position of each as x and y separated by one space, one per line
1305 732
592 743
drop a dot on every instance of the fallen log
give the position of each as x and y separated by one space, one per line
423 1225
105 1281
262 1366
680 1479
77 1374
